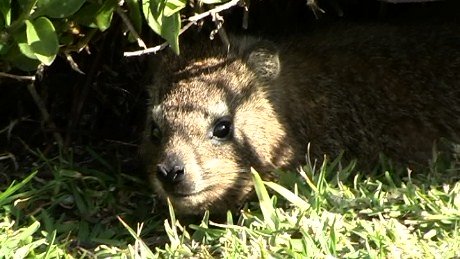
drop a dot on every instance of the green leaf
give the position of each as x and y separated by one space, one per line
135 17
86 15
95 15
135 14
58 8
152 14
105 13
173 6
167 27
20 61
42 39
5 9
24 47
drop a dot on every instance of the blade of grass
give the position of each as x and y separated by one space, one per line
288 195
144 249
13 188
264 199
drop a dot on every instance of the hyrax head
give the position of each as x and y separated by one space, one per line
210 121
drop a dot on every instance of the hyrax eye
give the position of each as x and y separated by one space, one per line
223 128
155 133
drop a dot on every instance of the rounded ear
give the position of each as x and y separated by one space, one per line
154 79
160 69
263 59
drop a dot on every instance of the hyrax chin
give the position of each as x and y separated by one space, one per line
366 90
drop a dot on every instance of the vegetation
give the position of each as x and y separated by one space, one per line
324 211
34 32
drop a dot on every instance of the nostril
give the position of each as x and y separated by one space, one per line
162 171
178 174
170 175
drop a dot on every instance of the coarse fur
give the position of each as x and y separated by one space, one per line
365 90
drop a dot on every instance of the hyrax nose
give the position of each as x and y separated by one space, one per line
171 172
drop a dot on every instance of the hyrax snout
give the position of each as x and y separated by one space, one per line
365 90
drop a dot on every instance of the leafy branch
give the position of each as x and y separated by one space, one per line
34 32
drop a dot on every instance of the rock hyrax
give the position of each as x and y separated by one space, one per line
364 90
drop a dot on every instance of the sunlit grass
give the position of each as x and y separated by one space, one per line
324 210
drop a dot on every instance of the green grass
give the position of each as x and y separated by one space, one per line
94 210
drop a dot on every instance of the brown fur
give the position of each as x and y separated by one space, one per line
364 90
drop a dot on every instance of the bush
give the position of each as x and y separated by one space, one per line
34 32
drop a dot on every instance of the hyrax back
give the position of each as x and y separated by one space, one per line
364 90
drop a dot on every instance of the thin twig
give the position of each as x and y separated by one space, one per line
72 63
44 112
246 15
10 156
156 48
20 78
218 21
218 9
130 27
8 129
81 94
192 20
317 11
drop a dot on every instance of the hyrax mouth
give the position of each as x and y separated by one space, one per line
186 195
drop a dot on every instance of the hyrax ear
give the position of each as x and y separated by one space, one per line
263 59
158 77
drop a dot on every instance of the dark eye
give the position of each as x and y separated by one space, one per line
155 133
223 128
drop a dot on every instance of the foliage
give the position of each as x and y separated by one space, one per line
34 32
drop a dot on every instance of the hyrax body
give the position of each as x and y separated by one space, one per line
364 90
